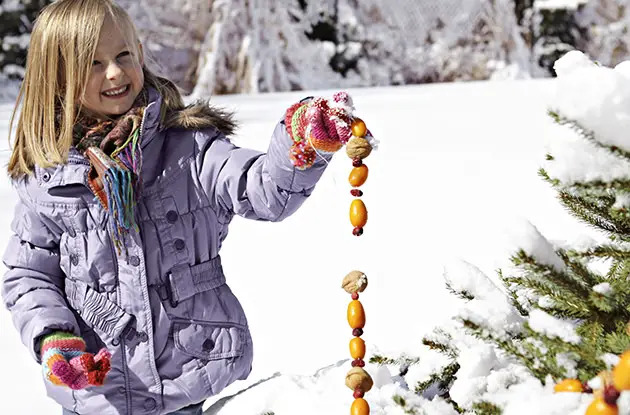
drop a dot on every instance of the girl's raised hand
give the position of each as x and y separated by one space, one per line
66 363
318 126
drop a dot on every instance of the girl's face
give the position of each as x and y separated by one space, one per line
116 77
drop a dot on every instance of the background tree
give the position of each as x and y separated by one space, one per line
561 309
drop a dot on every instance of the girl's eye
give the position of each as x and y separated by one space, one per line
124 54
94 63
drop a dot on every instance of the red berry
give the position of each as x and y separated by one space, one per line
358 362
358 231
586 388
356 192
357 332
355 296
358 393
356 162
611 394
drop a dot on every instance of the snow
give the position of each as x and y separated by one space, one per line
610 359
604 288
456 169
550 326
11 6
465 277
559 4
526 236
598 99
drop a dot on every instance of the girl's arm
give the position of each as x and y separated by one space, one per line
33 287
255 185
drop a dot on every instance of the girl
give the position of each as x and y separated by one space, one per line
115 281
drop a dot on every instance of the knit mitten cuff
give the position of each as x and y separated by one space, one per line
61 340
65 362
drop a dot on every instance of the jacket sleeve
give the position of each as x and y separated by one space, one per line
255 185
33 286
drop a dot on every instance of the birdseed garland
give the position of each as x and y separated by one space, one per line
358 148
357 378
613 383
320 127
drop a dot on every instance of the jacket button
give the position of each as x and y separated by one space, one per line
122 390
46 176
171 216
143 337
74 259
134 260
179 244
149 404
208 345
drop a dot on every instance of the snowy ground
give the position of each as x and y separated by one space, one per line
456 169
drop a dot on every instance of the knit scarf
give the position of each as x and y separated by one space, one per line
113 149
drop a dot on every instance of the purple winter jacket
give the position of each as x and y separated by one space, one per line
176 331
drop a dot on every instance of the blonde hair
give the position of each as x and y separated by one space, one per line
60 55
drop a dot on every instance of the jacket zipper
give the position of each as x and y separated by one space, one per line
125 373
145 289
118 295
115 256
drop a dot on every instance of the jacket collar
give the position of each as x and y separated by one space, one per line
198 115
151 118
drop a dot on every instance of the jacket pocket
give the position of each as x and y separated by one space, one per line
217 353
210 340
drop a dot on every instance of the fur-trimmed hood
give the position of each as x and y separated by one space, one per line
199 115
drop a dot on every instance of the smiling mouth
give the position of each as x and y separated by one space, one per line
117 92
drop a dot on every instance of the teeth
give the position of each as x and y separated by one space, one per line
116 91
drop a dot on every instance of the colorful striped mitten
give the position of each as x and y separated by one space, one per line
66 363
318 126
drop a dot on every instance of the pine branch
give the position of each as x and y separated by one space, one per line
593 215
527 355
599 187
444 378
596 213
581 274
617 343
543 173
514 299
463 294
381 360
547 274
444 348
486 408
603 251
597 208
587 134
400 401
401 361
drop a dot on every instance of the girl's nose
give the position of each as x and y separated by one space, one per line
113 71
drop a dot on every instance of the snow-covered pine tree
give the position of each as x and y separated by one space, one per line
16 22
608 25
270 45
556 30
561 309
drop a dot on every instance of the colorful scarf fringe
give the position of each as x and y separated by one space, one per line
113 148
